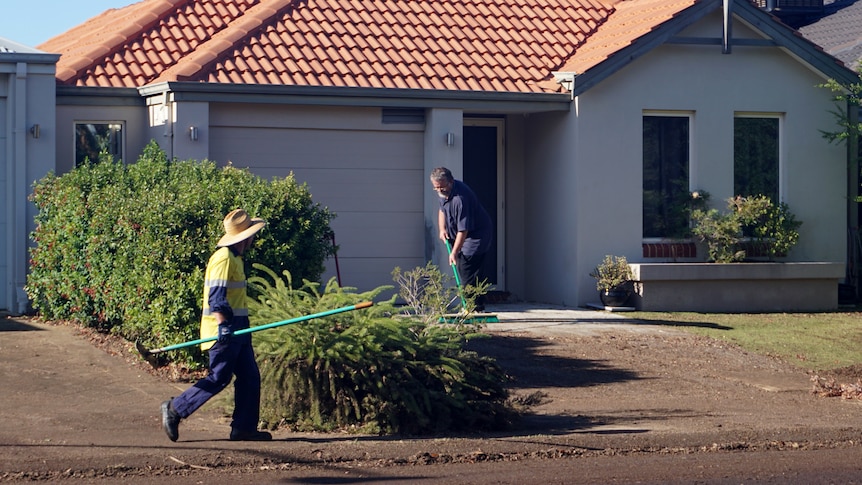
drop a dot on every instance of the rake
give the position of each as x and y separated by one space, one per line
150 354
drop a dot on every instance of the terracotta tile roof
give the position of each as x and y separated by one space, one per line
475 45
630 21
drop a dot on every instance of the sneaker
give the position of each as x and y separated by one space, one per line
170 420
237 435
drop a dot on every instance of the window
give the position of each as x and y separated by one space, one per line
665 176
95 138
755 156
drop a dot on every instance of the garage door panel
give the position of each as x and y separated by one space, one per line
261 148
369 273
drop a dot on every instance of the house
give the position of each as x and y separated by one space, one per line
576 121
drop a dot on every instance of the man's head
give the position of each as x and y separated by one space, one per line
442 181
240 229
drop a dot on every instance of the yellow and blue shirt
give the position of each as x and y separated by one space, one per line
225 293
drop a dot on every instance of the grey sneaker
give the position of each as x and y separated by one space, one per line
170 420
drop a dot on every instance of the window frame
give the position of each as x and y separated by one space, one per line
779 189
690 115
121 141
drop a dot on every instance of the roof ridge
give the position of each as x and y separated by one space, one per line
141 16
215 47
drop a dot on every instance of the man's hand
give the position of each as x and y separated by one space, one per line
224 333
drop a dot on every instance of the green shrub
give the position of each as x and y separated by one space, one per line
123 247
754 222
371 370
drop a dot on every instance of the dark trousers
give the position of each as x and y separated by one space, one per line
234 359
468 270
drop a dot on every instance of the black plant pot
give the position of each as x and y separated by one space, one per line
616 297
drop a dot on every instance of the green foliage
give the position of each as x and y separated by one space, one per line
122 248
750 221
370 370
428 294
846 97
612 272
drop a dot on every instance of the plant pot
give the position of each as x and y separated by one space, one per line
616 297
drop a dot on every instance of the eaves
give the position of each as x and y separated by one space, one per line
476 101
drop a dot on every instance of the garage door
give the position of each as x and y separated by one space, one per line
370 174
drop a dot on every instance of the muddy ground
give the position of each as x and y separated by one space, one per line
612 401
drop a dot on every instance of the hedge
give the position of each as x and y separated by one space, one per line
123 248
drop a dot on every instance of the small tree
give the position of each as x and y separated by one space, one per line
373 370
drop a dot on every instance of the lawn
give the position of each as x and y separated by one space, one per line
814 341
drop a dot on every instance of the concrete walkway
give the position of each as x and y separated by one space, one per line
546 319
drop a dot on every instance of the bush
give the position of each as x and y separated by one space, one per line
754 222
122 248
371 370
429 295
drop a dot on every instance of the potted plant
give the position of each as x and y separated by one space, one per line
613 280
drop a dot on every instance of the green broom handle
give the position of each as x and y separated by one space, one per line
348 308
457 278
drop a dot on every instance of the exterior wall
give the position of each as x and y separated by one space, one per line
136 135
551 213
371 175
699 79
27 96
438 123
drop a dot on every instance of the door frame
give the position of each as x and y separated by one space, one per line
500 125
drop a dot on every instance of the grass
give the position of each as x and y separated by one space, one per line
814 341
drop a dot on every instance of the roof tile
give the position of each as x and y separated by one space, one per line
479 45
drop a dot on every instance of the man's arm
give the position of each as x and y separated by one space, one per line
441 225
456 247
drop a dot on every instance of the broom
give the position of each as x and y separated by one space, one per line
475 318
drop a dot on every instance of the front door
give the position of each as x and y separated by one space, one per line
483 172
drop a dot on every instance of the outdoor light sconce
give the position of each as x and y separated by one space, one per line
193 133
450 139
35 130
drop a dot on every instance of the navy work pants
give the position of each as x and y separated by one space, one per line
468 270
235 358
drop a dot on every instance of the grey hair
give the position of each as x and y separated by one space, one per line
441 174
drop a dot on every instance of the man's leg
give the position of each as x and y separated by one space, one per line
220 373
468 269
222 363
246 414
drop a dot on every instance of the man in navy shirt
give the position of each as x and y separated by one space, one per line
465 224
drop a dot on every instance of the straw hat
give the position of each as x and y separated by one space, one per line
238 227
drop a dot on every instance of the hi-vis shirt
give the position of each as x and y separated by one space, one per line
225 293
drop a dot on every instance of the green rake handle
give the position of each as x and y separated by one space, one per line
457 278
348 308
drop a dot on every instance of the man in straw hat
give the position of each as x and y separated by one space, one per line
225 311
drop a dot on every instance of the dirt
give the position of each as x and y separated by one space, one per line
609 400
